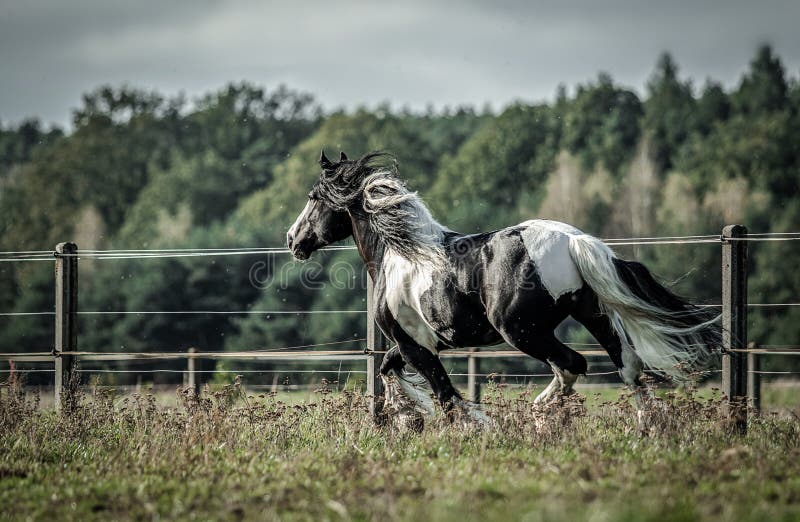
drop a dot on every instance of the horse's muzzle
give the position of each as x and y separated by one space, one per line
299 254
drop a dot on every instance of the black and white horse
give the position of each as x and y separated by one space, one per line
437 289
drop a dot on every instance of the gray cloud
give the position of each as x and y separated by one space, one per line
353 52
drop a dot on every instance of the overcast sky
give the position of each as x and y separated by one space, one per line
354 53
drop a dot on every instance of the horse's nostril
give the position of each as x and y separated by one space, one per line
289 239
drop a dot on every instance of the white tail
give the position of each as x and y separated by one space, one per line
669 334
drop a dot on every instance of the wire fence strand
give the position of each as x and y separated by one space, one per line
292 312
49 255
191 312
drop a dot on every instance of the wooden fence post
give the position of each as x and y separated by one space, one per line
66 324
375 347
734 322
753 378
473 379
191 376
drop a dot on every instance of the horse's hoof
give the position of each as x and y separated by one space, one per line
400 410
468 414
409 422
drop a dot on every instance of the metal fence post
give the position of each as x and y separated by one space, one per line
753 378
66 324
473 379
734 322
375 347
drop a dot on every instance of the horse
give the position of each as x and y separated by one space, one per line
436 289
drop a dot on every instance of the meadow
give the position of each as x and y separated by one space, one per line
234 455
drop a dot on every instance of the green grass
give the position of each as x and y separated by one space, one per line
227 457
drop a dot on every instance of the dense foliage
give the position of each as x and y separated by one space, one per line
232 170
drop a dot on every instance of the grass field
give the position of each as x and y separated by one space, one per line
230 456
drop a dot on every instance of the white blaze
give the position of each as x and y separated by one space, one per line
300 219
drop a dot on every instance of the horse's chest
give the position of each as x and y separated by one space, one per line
406 283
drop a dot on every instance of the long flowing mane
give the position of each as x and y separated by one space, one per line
370 187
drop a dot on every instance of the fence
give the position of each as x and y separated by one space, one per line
740 366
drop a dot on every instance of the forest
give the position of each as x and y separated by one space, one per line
138 170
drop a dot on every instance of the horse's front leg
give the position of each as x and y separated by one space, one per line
407 397
392 361
428 365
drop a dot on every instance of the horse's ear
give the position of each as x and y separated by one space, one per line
324 162
342 156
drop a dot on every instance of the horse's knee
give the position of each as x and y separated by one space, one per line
415 356
578 365
393 360
571 362
428 364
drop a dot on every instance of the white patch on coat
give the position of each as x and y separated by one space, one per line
547 244
405 283
300 219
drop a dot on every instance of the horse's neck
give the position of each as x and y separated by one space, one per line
370 247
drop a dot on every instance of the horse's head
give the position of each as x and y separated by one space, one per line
320 223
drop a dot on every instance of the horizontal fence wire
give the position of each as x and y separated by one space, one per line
668 242
188 355
192 312
287 352
753 305
17 369
492 375
760 239
285 312
612 240
497 375
165 370
161 253
48 255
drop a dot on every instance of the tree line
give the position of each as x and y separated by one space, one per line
141 171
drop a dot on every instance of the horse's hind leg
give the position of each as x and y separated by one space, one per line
567 364
628 364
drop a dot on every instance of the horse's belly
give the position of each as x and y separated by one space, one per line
468 330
